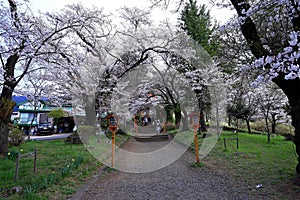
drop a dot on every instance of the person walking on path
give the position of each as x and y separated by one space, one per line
158 126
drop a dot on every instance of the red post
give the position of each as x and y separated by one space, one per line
113 140
194 118
196 144
113 126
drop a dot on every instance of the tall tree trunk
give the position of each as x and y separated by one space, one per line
169 113
177 112
248 126
6 108
4 138
90 112
292 89
267 129
185 125
6 103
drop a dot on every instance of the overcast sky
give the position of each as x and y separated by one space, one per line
221 15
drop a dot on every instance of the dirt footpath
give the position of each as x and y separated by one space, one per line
176 181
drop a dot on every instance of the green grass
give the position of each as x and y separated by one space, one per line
258 162
61 169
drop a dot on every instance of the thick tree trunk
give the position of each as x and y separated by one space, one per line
185 125
6 108
6 103
90 114
3 138
292 89
169 113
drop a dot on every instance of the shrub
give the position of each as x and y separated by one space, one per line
16 137
284 129
73 138
121 132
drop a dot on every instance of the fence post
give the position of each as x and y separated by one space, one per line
17 167
225 143
34 161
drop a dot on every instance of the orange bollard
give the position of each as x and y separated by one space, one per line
196 145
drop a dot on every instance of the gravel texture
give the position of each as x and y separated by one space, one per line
177 181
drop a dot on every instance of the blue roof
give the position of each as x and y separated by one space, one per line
18 100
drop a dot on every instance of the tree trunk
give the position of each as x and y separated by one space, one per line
273 128
267 129
177 112
4 138
248 126
6 103
169 113
6 106
292 89
185 125
90 114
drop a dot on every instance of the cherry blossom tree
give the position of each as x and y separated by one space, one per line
271 103
271 30
29 38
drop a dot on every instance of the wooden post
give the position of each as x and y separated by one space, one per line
237 142
165 128
17 167
196 145
34 161
113 148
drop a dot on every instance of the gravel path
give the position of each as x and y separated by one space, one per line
176 181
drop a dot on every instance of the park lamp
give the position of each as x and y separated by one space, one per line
113 125
195 120
113 122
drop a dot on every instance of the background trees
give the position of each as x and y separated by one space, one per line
271 31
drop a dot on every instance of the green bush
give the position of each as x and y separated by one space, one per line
259 126
284 129
121 132
73 138
16 137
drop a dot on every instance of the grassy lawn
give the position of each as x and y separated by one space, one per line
61 169
257 162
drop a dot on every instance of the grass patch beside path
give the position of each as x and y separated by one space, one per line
257 162
61 169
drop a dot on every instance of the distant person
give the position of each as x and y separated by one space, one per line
158 126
